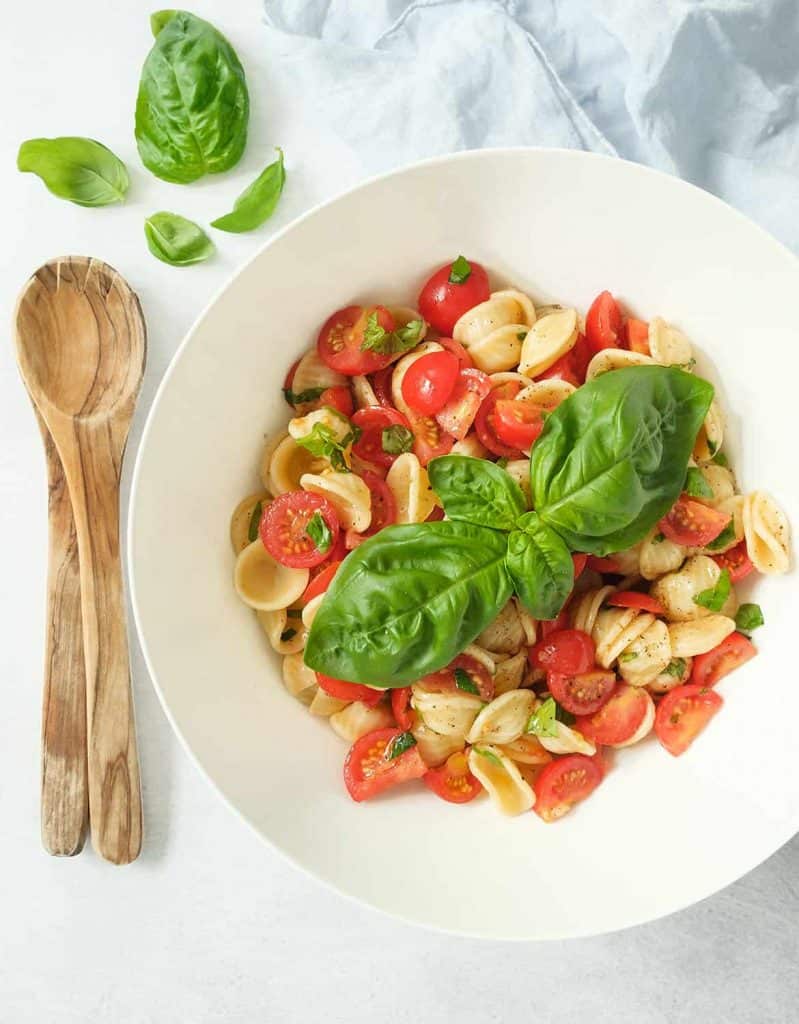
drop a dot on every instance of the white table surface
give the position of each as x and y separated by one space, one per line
210 925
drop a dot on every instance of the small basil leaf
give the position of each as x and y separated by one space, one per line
720 459
543 721
714 597
540 566
294 613
696 485
463 681
159 19
378 339
299 397
396 440
489 755
255 521
81 170
724 539
287 634
407 601
460 271
562 715
257 202
319 532
476 491
749 617
323 442
675 668
177 241
399 745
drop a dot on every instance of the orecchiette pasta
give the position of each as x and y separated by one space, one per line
286 636
324 705
584 611
347 493
357 719
310 610
494 330
501 779
363 392
338 424
526 750
313 373
647 656
241 532
676 590
614 359
409 483
567 741
510 673
767 533
519 469
288 463
677 672
688 639
529 625
547 340
299 680
658 555
546 394
721 482
448 713
470 446
505 633
503 719
614 631
434 747
711 434
485 657
265 584
667 345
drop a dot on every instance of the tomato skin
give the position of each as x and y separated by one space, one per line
550 626
603 565
633 599
381 385
401 708
518 424
565 651
603 324
636 333
283 528
582 693
683 714
372 421
436 515
442 303
367 772
580 561
349 691
453 781
384 510
733 651
444 678
692 524
429 380
458 350
619 718
485 425
319 583
289 378
338 398
736 561
429 439
564 782
562 369
457 416
341 336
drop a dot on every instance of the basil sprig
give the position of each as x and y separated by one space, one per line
609 463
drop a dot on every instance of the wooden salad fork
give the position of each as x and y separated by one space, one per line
81 346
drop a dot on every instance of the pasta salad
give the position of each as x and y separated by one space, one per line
497 542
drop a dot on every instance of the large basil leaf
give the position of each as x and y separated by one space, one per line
407 601
476 491
175 240
257 202
540 567
81 170
611 459
193 105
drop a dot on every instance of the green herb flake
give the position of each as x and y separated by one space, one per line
288 634
460 271
715 597
402 339
319 532
521 335
675 668
323 443
712 447
720 459
489 755
464 681
696 485
543 721
564 716
398 746
724 539
502 462
658 538
300 397
628 656
396 440
255 519
294 613
749 617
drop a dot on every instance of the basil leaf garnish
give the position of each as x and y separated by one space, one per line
720 459
696 485
80 170
407 601
460 271
255 521
540 566
675 668
257 202
477 491
193 106
714 597
299 397
725 538
749 617
323 442
319 532
463 681
543 721
175 240
378 339
398 746
564 716
287 634
396 440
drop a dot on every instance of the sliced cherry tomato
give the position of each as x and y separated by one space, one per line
637 335
603 323
683 714
429 438
384 510
580 562
582 693
369 769
736 561
692 524
518 424
562 369
349 691
453 781
436 515
550 626
619 718
320 582
381 385
581 356
458 350
457 416
289 379
372 421
563 783
342 335
609 565
339 397
448 678
632 599
567 651
485 423
442 302
733 651
429 380
284 533
401 707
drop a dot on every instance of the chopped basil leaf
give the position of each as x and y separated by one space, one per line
675 668
396 440
294 613
726 537
721 459
712 447
488 754
298 397
464 681
399 745
562 715
287 634
714 597
685 366
521 335
543 721
658 538
749 617
628 656
378 339
696 485
319 532
255 519
322 442
460 271
502 462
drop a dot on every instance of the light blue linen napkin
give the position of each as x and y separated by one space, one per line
705 89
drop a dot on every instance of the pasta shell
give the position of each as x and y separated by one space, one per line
402 367
409 483
501 779
275 624
302 426
363 393
668 346
265 584
510 673
527 315
449 713
242 517
288 463
644 728
526 750
647 656
266 458
584 612
628 561
676 590
498 379
298 679
768 535
347 493
667 680
614 632
501 309
614 359
711 434
529 624
545 310
546 394
721 482
688 639
503 719
310 610
656 557
313 372
357 719
567 741
433 747
548 339
505 633
324 705
734 507
519 469
471 446
479 653
499 350
403 315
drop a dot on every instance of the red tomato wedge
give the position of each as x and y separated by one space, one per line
342 335
603 326
580 562
470 388
598 564
284 528
563 783
550 626
458 350
582 693
619 718
733 651
369 769
453 781
429 438
401 707
339 397
372 421
683 714
320 582
632 599
429 380
381 385
518 424
736 561
581 356
384 510
450 678
637 335
692 524
485 423
567 651
436 515
349 691
442 302
562 369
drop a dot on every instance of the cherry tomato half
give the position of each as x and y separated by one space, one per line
457 416
368 769
619 718
401 708
384 510
458 350
550 626
636 333
342 335
372 421
339 397
582 693
633 599
733 651
429 438
442 302
381 385
609 565
518 424
603 323
692 524
284 528
453 781
736 561
485 421
580 561
349 691
429 380
683 714
567 651
449 678
563 783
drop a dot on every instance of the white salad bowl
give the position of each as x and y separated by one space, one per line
660 833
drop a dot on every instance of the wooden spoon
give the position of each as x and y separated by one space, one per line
81 346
